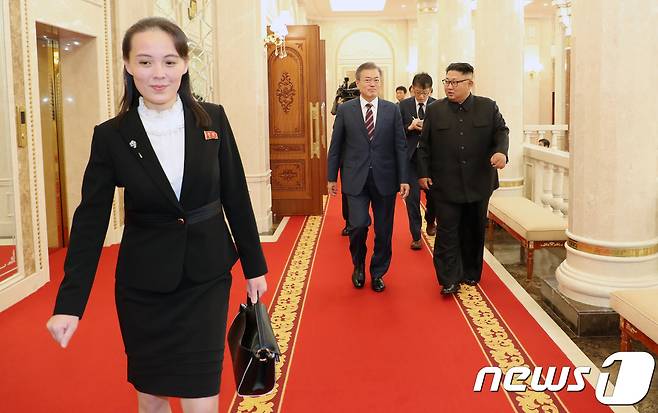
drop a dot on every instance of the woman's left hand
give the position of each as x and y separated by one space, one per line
256 287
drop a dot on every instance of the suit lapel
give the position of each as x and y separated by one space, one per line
132 132
194 147
380 119
362 122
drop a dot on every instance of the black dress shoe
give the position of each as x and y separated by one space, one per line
378 285
450 288
358 276
472 283
431 229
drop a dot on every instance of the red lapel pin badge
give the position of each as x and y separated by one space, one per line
210 134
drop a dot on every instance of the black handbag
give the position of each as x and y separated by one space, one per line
254 350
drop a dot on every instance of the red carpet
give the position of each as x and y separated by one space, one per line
360 351
90 376
7 261
407 349
404 350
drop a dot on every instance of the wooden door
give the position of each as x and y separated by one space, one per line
323 117
296 94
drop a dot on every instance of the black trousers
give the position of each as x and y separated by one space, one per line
413 204
344 205
383 209
345 209
459 244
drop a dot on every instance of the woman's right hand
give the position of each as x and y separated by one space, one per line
256 287
62 327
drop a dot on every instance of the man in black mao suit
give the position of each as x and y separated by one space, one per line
368 133
463 143
413 112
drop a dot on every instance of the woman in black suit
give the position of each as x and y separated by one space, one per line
179 164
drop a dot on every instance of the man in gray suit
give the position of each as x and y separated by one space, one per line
368 132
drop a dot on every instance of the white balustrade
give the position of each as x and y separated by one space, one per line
554 134
564 206
557 188
549 177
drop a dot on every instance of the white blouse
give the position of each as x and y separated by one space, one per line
166 131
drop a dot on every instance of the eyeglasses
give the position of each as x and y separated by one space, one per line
453 83
422 92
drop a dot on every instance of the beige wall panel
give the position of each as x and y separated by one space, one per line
26 226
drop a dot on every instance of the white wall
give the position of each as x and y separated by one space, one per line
382 41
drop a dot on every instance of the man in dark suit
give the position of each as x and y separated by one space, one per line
413 112
463 143
368 133
345 205
345 208
400 94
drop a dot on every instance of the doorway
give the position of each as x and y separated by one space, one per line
297 114
50 105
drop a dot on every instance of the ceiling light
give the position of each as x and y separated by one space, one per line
361 5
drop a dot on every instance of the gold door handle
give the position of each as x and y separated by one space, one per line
323 125
314 124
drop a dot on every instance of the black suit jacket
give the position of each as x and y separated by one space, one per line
155 257
408 112
456 146
386 153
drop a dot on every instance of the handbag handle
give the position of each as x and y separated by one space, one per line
263 353
249 303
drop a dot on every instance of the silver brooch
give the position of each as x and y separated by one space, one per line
133 145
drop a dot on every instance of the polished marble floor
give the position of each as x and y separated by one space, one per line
546 262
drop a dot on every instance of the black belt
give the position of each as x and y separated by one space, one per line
193 216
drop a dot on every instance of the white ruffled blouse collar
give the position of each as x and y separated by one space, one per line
162 121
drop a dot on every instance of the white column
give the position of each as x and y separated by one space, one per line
613 238
499 76
242 90
412 46
559 71
428 34
300 17
456 35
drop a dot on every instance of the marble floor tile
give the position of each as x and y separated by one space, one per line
546 262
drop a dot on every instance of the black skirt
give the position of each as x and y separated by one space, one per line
175 341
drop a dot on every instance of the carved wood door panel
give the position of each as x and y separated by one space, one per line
296 103
323 117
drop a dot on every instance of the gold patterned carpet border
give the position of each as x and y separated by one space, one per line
285 314
500 345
